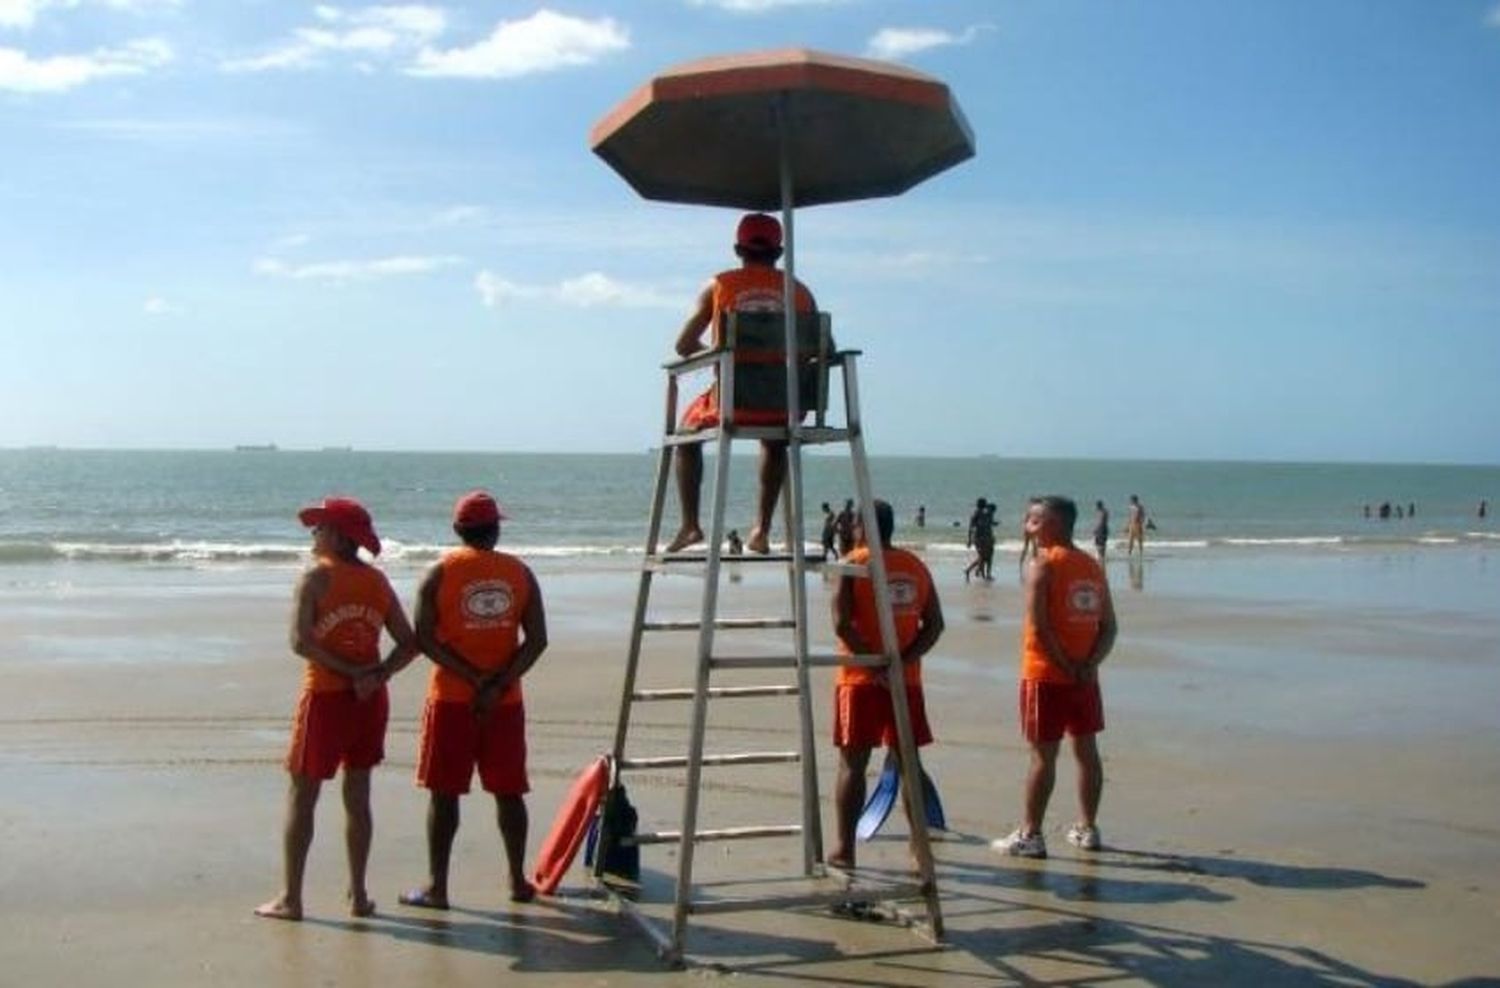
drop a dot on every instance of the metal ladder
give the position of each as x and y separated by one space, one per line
823 883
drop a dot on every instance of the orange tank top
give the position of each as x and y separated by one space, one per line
480 599
752 289
910 587
347 620
1075 607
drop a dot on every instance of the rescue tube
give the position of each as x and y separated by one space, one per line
570 825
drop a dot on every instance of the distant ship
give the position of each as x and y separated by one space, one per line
338 449
256 448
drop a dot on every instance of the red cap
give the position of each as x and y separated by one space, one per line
476 508
347 517
757 230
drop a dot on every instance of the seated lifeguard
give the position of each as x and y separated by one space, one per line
757 285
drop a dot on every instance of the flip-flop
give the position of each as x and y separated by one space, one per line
881 800
936 819
421 899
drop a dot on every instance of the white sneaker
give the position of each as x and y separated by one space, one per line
1019 845
1084 837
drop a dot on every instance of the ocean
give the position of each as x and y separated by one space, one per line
207 508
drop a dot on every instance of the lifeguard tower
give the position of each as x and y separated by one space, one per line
762 131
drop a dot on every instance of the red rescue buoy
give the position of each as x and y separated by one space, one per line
570 825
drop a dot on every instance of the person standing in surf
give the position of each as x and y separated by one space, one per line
481 620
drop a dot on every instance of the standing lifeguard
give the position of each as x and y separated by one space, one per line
342 603
863 715
1068 630
481 621
756 286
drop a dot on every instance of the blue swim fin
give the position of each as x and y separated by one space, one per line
881 801
936 819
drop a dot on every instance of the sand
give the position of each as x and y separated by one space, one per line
1303 794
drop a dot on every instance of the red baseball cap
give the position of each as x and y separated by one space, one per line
347 517
476 508
757 230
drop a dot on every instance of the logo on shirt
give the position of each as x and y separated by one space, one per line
903 593
1085 598
486 601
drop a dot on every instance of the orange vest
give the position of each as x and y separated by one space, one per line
910 587
347 620
480 599
754 288
1075 607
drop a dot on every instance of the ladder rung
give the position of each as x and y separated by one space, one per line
722 624
790 661
875 661
810 436
726 833
678 558
716 692
752 662
737 758
817 897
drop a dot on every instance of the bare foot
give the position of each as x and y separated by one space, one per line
423 898
685 537
843 862
280 908
361 906
758 542
522 891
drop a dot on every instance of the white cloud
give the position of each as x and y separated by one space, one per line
380 32
761 6
587 291
543 42
24 13
158 306
345 271
19 72
1493 17
899 42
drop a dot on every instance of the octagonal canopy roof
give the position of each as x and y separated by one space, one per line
711 131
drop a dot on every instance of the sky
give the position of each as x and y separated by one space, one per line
1194 229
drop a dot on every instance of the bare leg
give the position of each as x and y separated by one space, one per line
689 491
442 827
849 800
772 476
296 838
513 824
359 830
1090 778
1039 780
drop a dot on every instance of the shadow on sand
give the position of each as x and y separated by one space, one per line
998 932
1263 873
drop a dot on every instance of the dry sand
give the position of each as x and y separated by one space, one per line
1264 823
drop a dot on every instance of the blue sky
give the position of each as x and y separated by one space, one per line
1193 229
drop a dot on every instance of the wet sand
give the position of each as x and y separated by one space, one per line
1299 791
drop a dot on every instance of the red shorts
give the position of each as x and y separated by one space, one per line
1050 710
703 413
333 728
455 741
863 718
